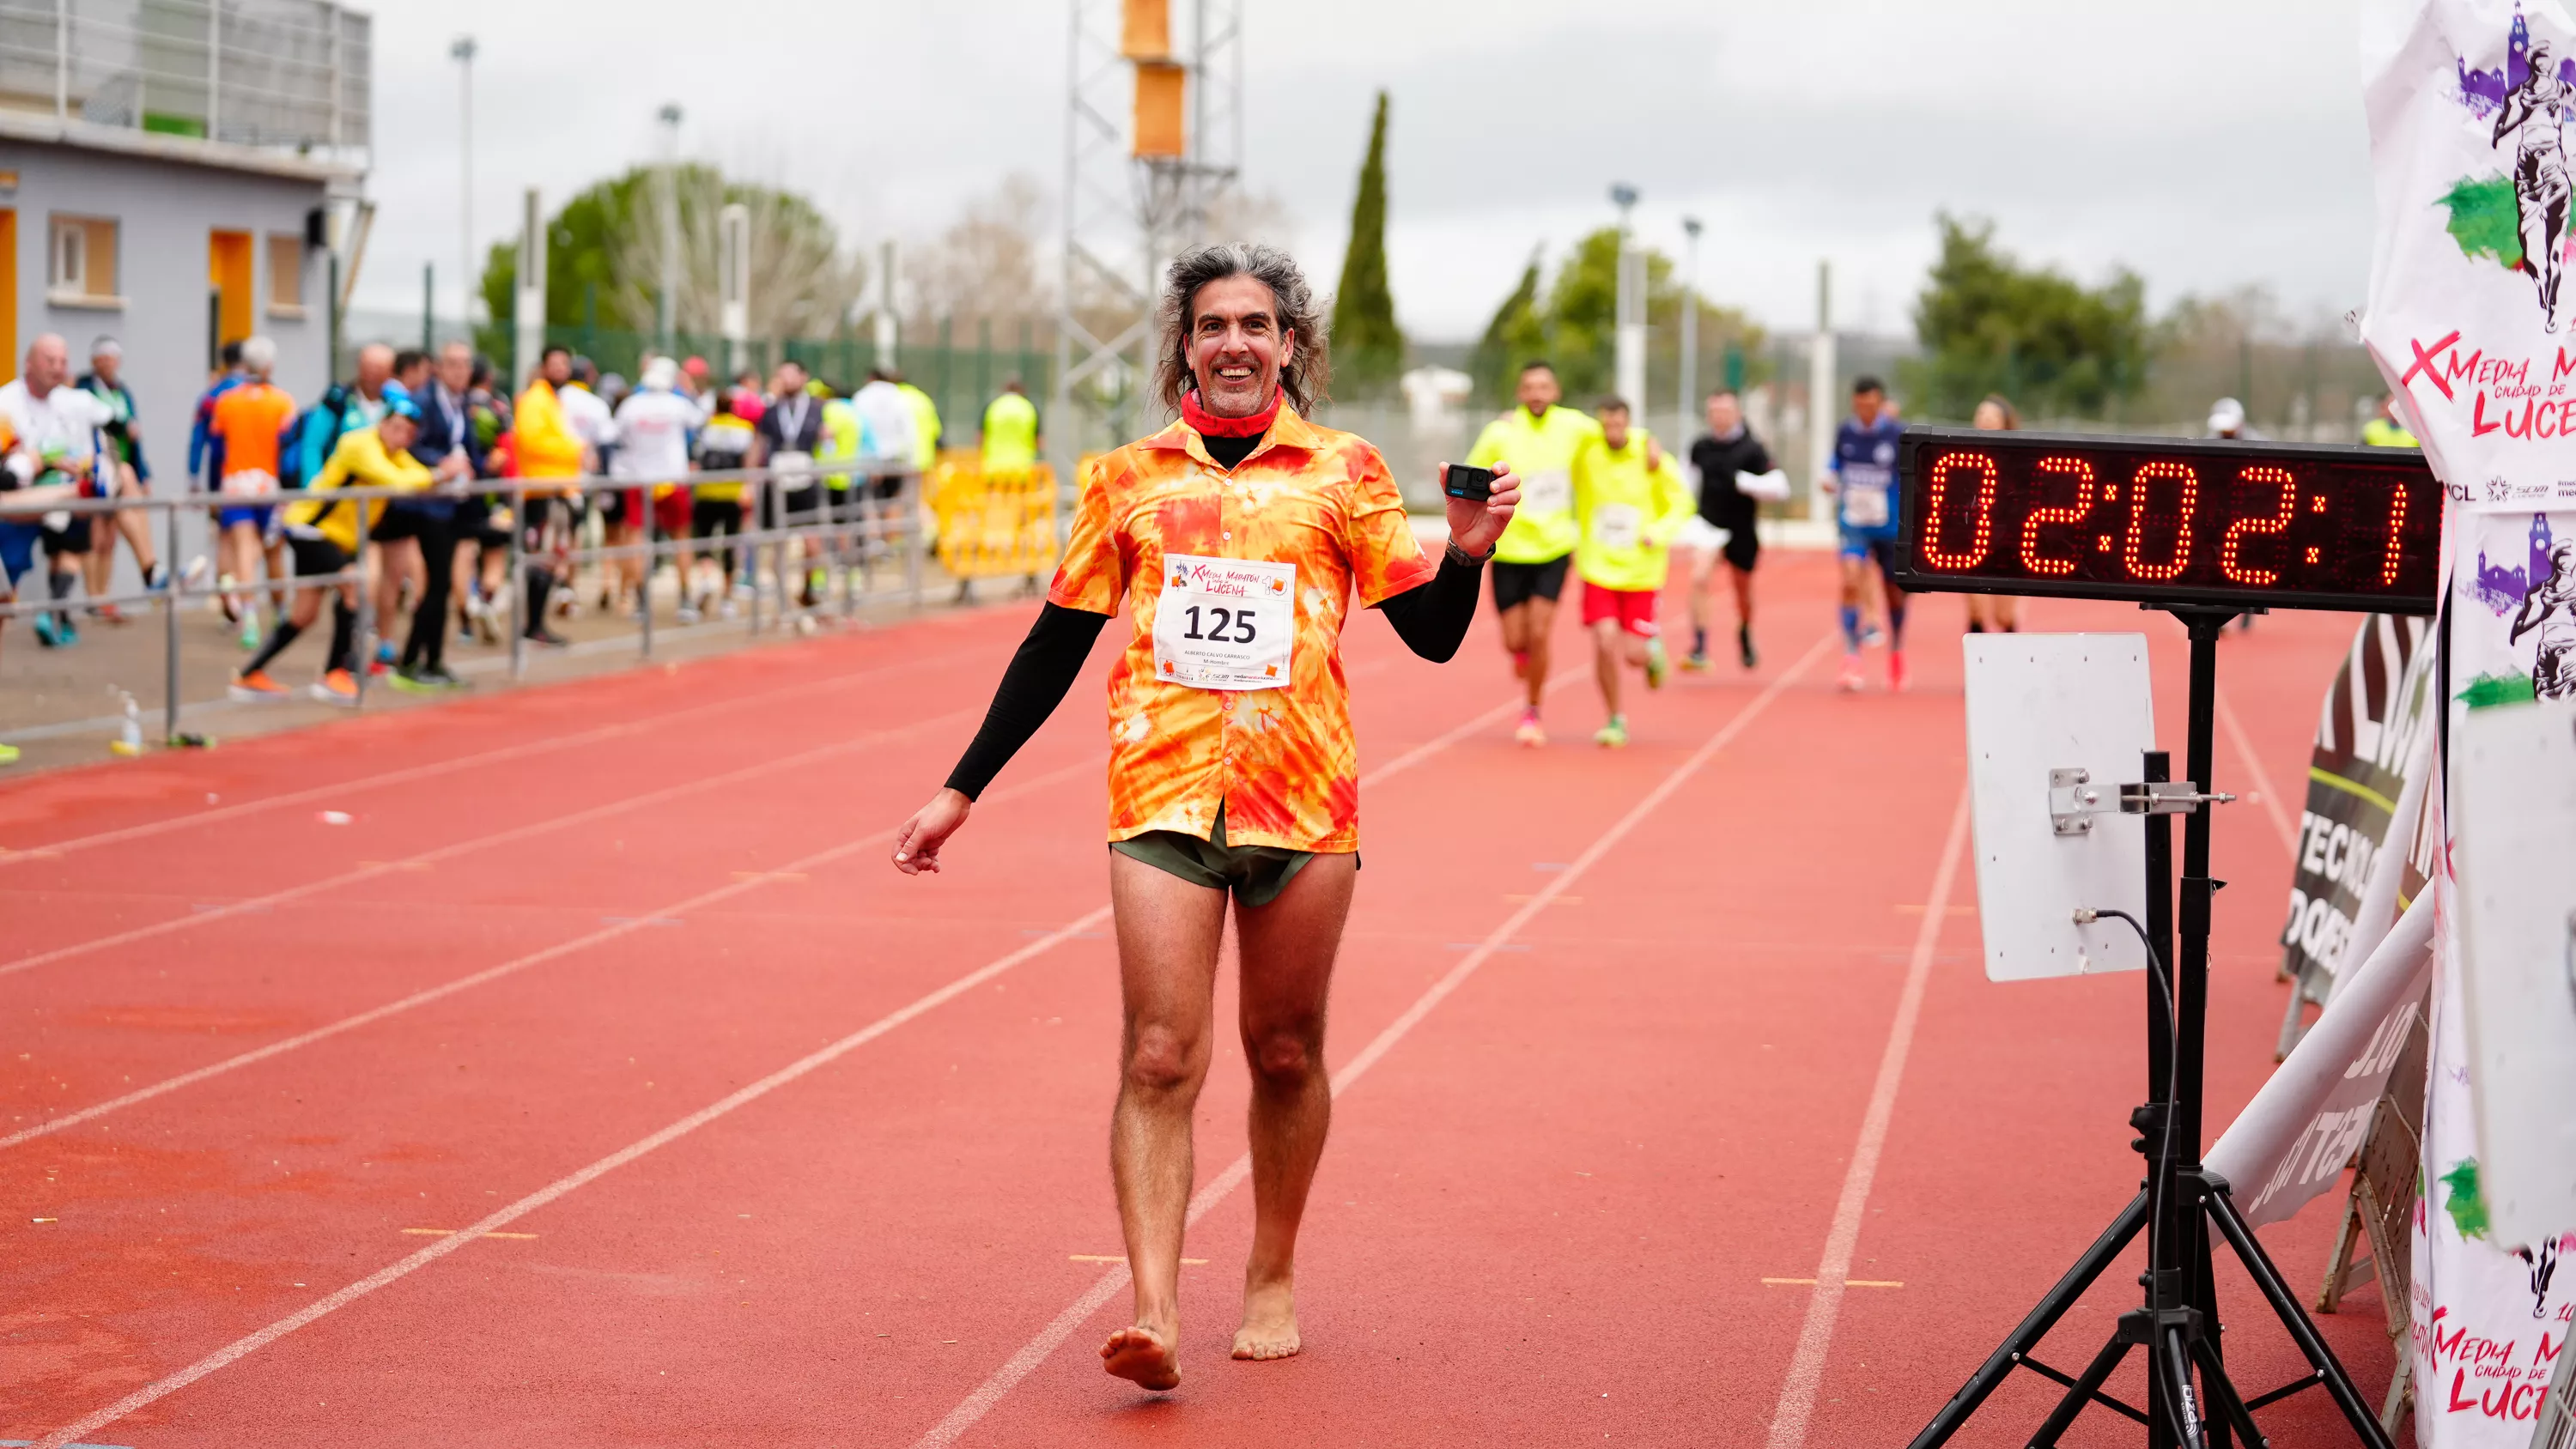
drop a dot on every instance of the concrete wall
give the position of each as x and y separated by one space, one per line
164 213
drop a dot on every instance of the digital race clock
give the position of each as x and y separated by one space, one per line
2169 521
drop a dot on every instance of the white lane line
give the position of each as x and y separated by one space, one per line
441 1247
1020 1365
54 849
2272 805
252 1343
621 926
368 870
1816 1335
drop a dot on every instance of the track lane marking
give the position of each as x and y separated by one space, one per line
1048 1339
429 859
2262 780
1824 1303
617 926
57 849
401 1268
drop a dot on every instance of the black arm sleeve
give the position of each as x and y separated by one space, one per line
1040 674
1432 618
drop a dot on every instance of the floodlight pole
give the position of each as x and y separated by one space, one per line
2182 1200
1690 327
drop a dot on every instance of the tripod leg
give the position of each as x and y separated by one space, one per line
2175 1401
2258 1265
2205 1298
2034 1326
2096 1373
2226 1408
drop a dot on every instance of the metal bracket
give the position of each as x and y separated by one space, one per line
2166 797
2073 801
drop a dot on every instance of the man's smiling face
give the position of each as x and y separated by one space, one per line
1237 346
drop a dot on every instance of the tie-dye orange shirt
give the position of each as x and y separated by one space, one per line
1281 762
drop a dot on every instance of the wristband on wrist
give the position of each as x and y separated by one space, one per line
1459 555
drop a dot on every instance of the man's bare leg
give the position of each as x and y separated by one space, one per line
1538 620
1288 948
1168 934
1608 653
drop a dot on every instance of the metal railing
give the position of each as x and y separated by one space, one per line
849 535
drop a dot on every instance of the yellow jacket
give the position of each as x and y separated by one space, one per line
1541 451
925 426
359 460
1631 514
547 447
1010 434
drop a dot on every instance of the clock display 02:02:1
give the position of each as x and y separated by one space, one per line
2279 525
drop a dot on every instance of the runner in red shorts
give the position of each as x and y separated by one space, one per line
1632 504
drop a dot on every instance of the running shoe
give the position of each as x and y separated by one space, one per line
250 632
224 600
1896 671
1871 636
1744 647
386 654
107 613
1530 732
1695 662
1614 735
688 614
540 634
257 685
1850 682
194 575
419 679
1657 665
8 754
337 687
55 635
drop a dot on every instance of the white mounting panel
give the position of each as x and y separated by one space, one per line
2513 826
2043 702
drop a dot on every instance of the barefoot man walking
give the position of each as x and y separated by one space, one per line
1232 542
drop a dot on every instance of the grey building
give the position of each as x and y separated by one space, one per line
177 174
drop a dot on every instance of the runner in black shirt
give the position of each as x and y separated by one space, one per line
1724 525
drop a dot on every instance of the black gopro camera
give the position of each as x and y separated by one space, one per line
1458 480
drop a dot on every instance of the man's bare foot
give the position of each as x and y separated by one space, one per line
1141 1354
1269 1323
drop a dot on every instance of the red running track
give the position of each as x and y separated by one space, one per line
597 1083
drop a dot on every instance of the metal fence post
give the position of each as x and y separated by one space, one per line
644 590
751 553
363 643
912 538
518 578
170 631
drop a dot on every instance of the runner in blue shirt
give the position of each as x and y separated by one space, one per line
1865 480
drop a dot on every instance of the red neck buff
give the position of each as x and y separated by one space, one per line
1208 425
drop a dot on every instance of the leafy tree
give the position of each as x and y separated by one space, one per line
1517 334
1367 346
1574 326
1989 324
604 249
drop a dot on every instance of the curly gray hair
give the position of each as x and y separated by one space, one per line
1308 374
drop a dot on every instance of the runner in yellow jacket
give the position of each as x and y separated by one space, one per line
1538 439
1632 504
322 533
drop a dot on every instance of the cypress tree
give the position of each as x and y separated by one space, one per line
1368 348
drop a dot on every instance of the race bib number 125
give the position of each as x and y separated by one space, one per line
1225 623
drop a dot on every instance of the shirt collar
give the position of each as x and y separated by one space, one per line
1289 431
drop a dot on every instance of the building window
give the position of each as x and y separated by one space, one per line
83 270
285 275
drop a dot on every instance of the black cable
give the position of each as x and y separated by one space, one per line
2173 1078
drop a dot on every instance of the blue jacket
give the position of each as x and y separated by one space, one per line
446 425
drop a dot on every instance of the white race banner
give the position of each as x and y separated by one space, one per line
2469 321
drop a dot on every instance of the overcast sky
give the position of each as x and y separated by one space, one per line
2205 143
